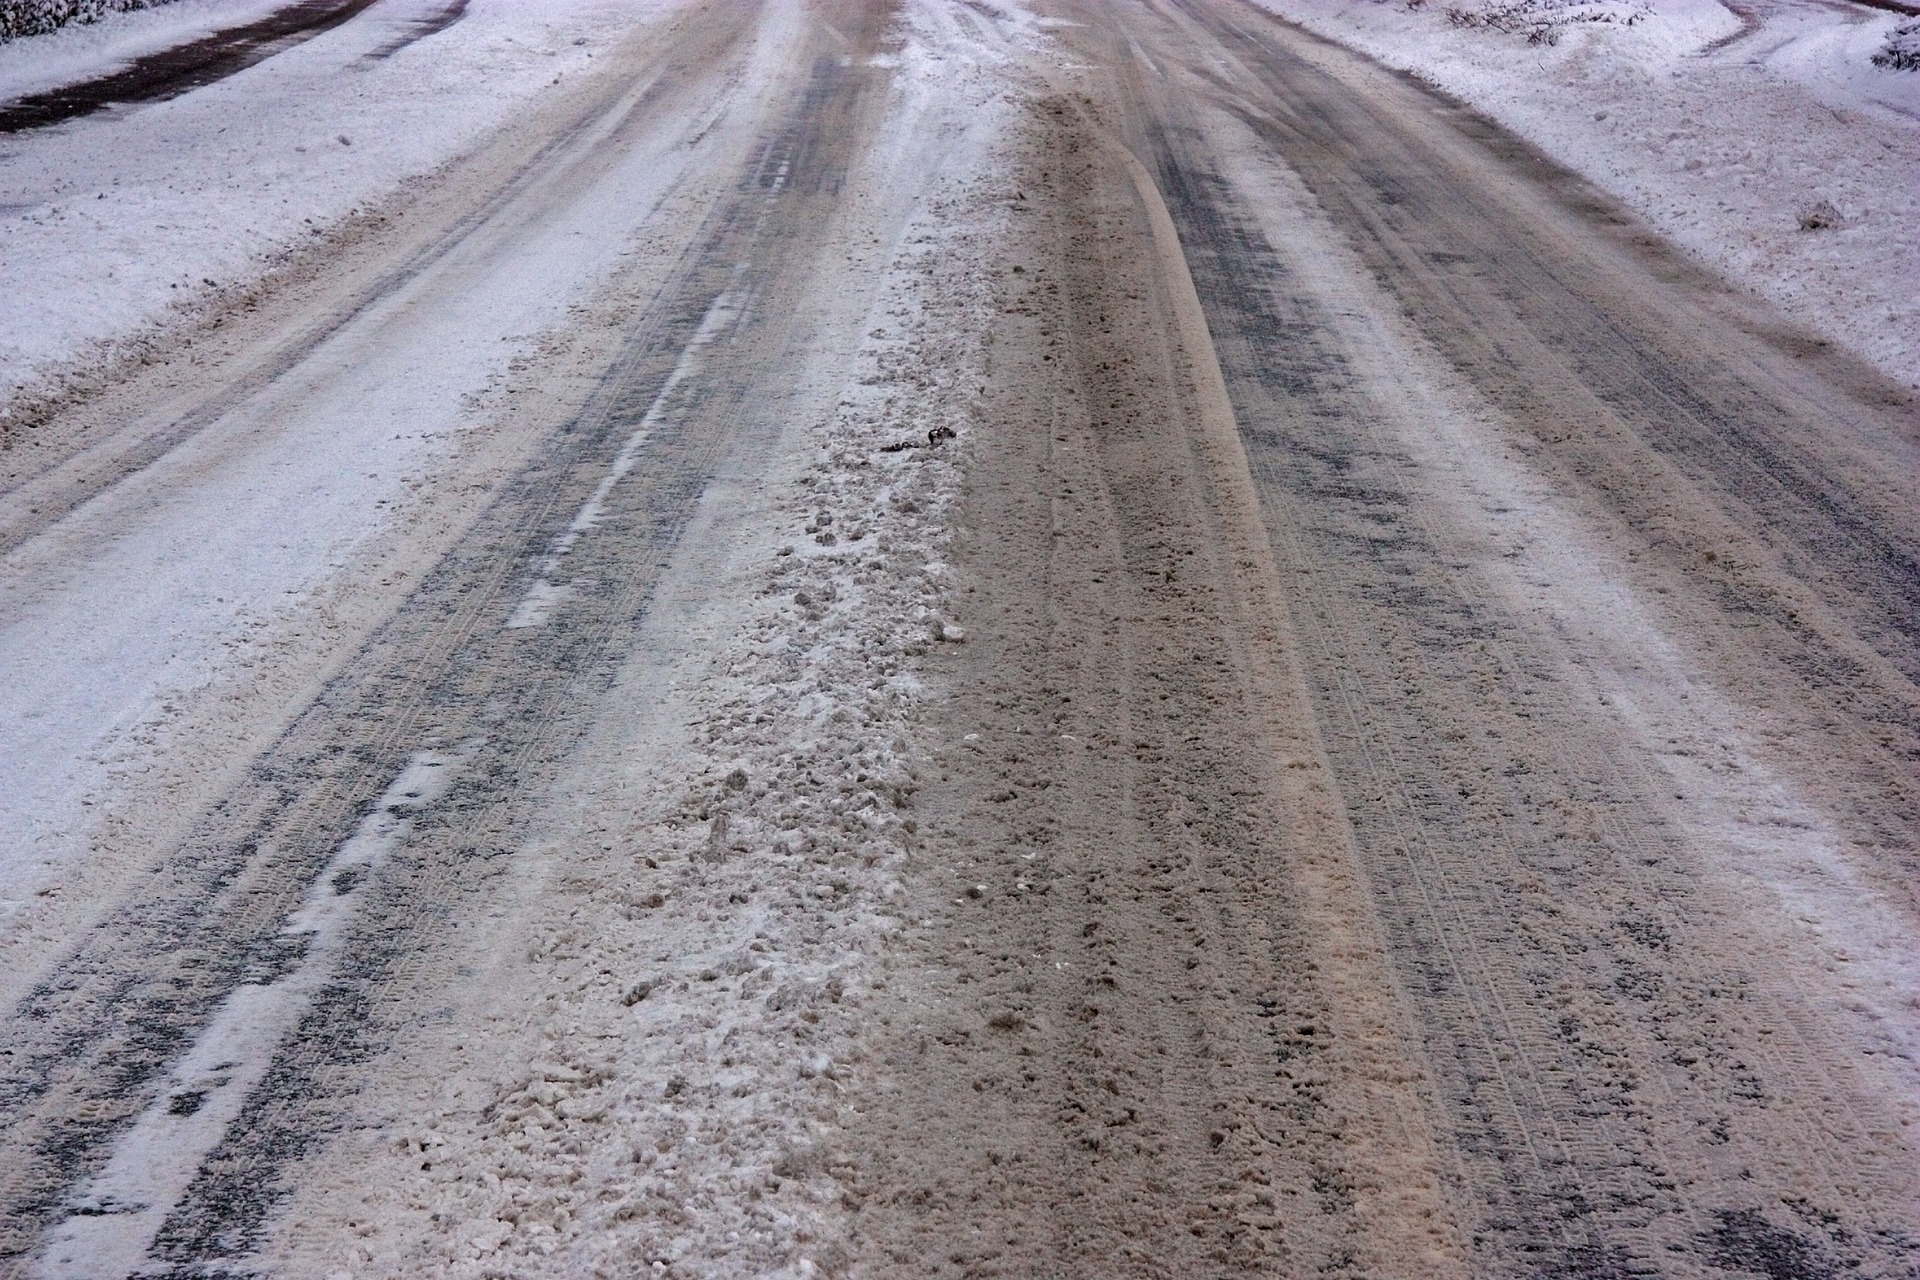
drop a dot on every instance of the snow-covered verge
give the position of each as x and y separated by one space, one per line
1773 149
702 905
117 227
1540 21
36 17
106 42
1901 52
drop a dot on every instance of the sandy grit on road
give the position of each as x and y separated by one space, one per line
1117 645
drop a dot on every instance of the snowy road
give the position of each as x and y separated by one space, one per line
942 639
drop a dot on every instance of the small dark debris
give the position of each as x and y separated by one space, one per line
1820 217
1745 1241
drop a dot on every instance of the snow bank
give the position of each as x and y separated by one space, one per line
36 17
1540 21
1901 52
119 225
1727 135
106 43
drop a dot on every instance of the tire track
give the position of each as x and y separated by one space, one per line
419 29
1149 1032
1785 447
1604 1061
90 1044
570 158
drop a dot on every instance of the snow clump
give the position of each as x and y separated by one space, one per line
1901 52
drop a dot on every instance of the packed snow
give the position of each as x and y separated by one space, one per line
1770 146
695 977
692 954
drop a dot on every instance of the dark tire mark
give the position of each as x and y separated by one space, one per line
1639 395
1750 22
1643 398
1891 6
421 28
172 72
1603 363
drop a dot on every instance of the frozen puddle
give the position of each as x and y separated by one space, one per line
113 1218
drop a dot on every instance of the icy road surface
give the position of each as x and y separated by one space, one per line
862 638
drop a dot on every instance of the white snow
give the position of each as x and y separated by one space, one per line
1721 147
89 50
115 224
240 542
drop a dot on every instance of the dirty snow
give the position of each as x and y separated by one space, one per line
695 929
696 916
1723 136
119 1210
